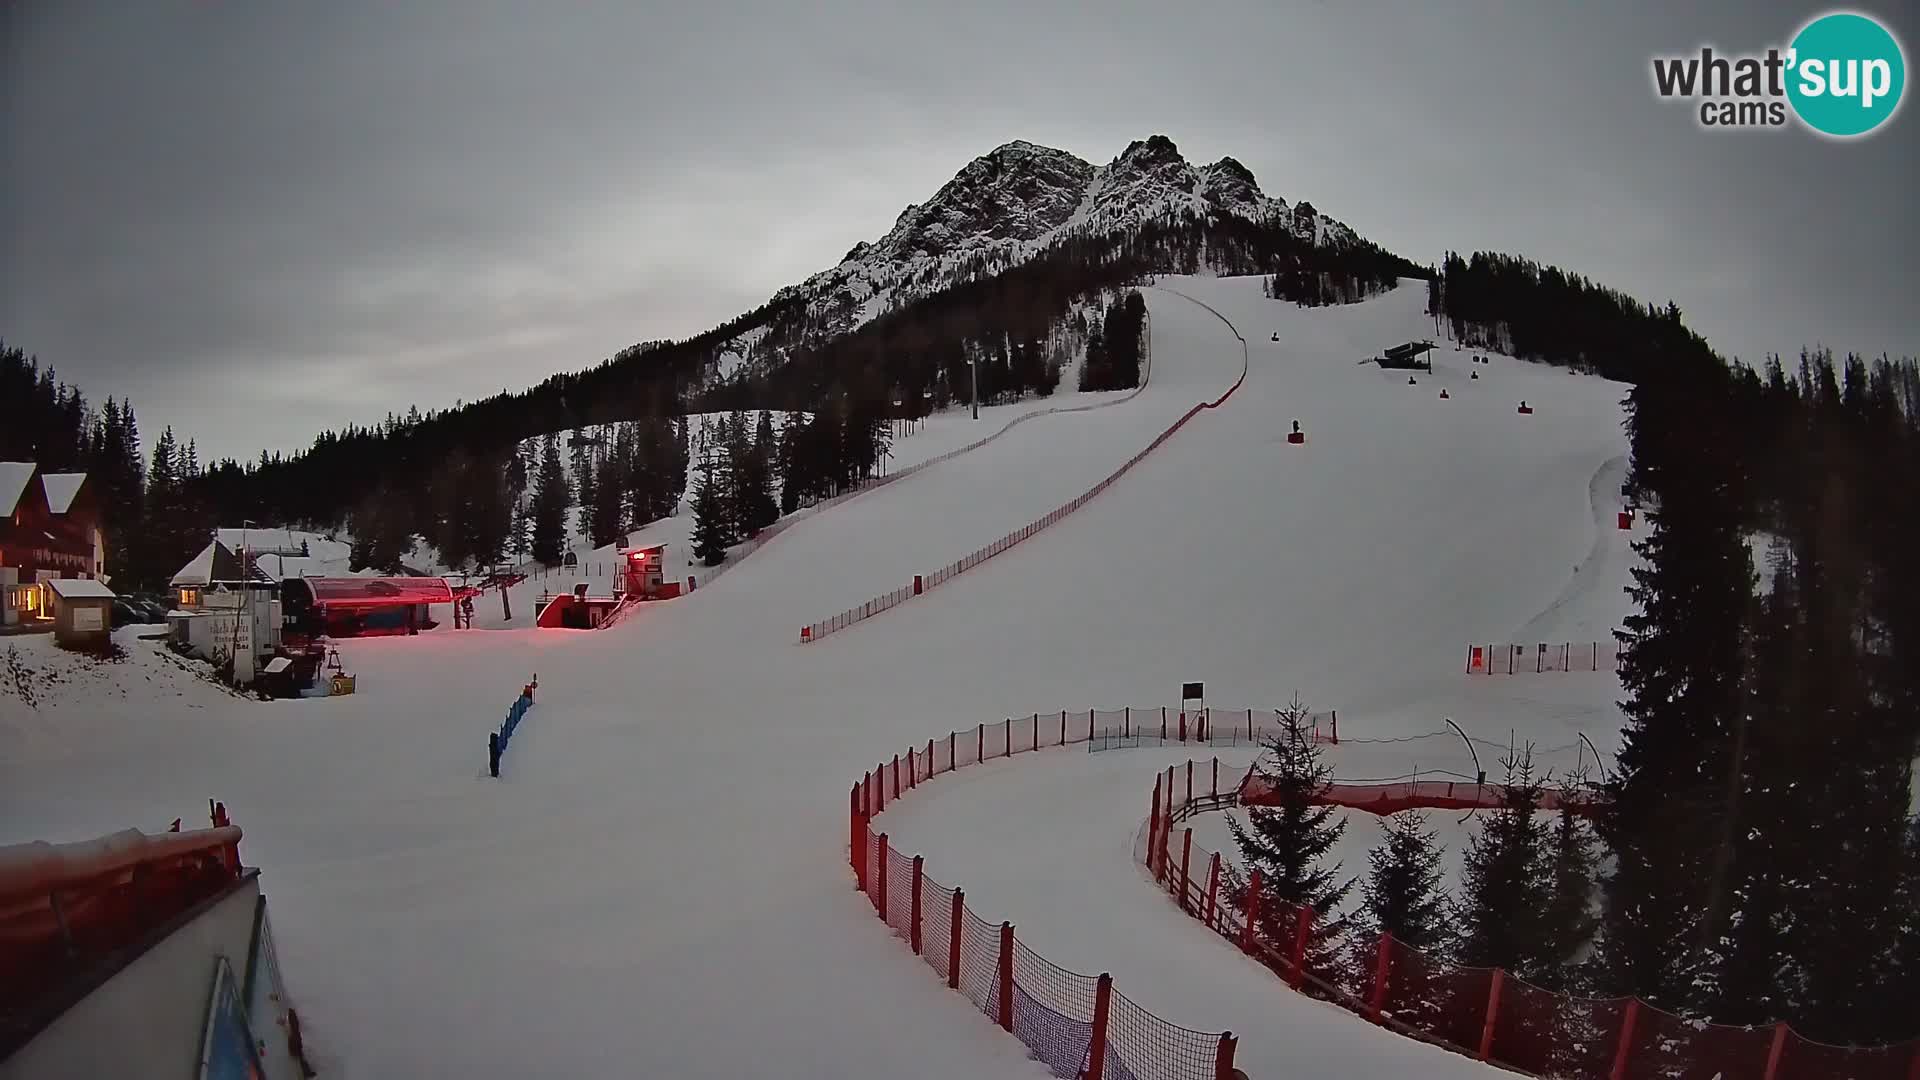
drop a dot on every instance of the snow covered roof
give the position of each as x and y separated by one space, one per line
374 592
79 589
215 563
286 566
61 488
14 476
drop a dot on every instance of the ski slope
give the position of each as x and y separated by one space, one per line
656 885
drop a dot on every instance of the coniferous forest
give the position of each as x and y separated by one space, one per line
1755 856
459 477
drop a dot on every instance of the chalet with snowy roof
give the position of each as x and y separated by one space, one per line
215 572
49 529
227 608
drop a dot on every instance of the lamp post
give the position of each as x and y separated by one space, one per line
973 373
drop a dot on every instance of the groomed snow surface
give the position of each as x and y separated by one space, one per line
657 884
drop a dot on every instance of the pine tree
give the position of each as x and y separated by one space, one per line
551 500
710 513
586 484
789 463
1567 921
1402 898
1505 886
1288 838
1682 667
608 522
160 535
382 531
1402 894
756 507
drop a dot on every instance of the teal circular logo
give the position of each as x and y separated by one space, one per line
1846 74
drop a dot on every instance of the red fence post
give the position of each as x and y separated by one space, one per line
1381 962
1126 722
1252 913
980 752
1186 877
1063 728
1778 1048
917 585
880 894
1302 930
1097 1047
1163 723
880 787
1183 725
1493 1013
1006 976
854 854
913 772
953 937
1213 887
896 776
1189 801
1336 727
1153 823
1216 778
951 764
1625 1049
1223 1057
913 932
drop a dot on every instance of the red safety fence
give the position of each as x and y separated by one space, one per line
65 906
1485 1013
1411 793
922 582
1543 657
1077 1025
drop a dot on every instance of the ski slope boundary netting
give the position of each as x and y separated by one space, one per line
1485 1013
1077 1025
1543 657
922 582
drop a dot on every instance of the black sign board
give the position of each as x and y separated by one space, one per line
1192 691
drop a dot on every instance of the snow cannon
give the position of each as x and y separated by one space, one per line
1626 519
1476 375
1411 381
1296 436
1526 409
1276 335
1443 394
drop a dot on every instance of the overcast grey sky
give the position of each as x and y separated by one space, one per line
262 218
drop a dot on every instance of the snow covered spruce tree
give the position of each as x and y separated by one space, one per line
1682 667
1287 842
1402 898
1504 886
711 534
1567 922
552 499
1402 894
752 469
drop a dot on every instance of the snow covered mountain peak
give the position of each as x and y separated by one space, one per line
1021 198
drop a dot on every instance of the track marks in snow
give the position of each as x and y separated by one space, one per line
1604 492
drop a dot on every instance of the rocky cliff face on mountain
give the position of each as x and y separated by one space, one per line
1018 200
